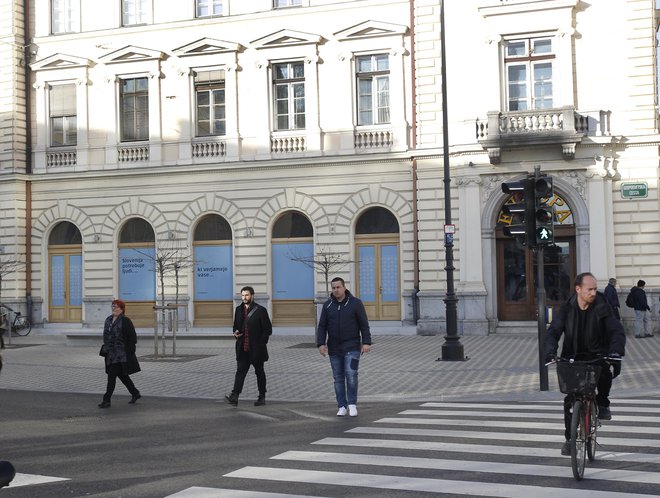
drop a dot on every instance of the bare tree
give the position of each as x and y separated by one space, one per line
324 262
168 261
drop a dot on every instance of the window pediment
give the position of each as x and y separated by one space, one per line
60 61
207 46
285 38
371 29
132 53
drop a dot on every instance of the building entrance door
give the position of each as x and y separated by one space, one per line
65 284
516 276
378 279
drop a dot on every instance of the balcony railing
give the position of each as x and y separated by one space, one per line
288 144
562 126
208 148
132 153
61 158
370 139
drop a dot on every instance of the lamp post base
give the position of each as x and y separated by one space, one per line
452 351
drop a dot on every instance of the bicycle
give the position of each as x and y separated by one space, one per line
20 325
579 380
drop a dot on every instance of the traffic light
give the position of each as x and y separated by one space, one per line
521 210
543 212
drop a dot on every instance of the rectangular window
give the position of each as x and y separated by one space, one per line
134 12
289 95
373 89
207 8
62 110
134 108
64 16
529 68
287 3
210 102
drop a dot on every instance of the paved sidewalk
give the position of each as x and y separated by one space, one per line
400 367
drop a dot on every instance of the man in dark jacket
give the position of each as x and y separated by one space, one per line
590 330
641 307
343 334
612 297
252 328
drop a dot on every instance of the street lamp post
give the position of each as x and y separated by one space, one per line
452 349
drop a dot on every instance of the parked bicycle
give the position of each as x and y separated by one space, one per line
579 380
14 321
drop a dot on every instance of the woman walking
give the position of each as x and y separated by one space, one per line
119 341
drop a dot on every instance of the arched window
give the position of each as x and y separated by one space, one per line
137 255
293 272
65 233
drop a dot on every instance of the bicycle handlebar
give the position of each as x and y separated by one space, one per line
605 357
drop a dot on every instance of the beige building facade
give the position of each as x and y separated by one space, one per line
257 143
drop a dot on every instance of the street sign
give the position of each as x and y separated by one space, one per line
639 190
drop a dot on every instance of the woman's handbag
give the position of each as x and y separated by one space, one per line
103 351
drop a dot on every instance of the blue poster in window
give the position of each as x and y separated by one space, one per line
293 279
75 280
137 275
367 273
214 278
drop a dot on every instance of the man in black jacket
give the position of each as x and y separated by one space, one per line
344 334
252 328
590 330
641 307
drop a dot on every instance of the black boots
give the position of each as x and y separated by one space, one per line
232 399
134 398
104 404
261 400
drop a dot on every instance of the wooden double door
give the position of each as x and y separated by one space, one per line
66 281
378 277
517 275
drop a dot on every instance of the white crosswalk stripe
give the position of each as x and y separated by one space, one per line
473 449
32 479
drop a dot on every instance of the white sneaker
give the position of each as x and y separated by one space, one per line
352 410
341 412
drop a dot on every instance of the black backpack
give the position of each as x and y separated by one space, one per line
630 302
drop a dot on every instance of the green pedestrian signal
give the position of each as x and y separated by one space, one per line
544 235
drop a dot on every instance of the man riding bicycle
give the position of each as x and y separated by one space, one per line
590 330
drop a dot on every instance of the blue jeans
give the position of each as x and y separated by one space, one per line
345 372
641 323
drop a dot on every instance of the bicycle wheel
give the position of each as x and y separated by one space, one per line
592 428
22 326
578 440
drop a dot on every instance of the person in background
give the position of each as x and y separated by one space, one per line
252 329
641 306
612 297
118 350
343 334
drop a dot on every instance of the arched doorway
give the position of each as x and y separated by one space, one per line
214 276
377 249
293 270
65 274
517 266
137 271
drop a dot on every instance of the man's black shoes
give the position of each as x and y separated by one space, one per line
232 399
104 404
566 449
261 400
604 413
134 398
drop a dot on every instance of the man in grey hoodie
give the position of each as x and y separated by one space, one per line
343 334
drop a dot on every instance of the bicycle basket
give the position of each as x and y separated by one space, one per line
577 378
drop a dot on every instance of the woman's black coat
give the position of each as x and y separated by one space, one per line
124 349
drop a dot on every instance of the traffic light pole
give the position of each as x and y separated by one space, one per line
540 301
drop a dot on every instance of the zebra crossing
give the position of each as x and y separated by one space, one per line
464 449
